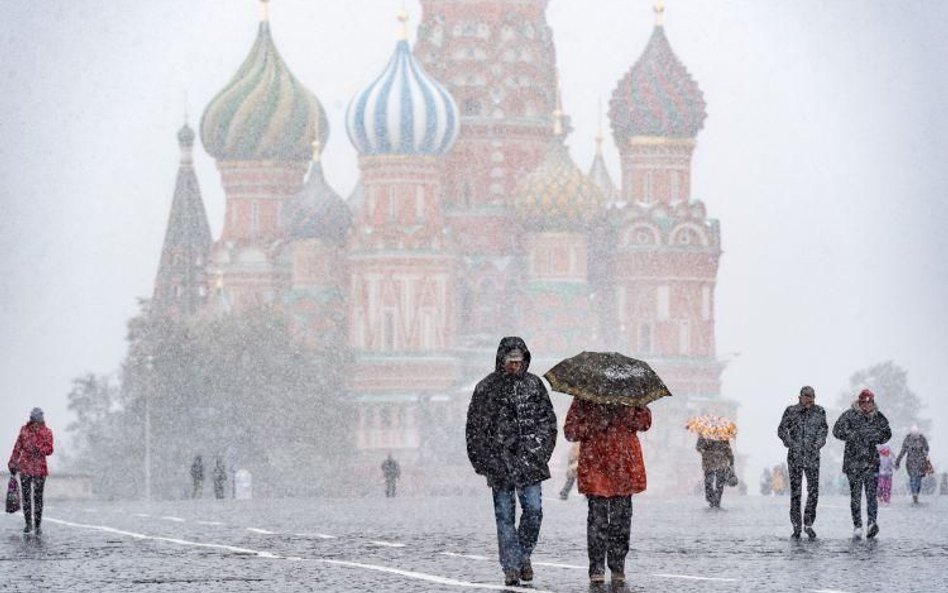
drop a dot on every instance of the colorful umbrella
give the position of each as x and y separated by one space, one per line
716 428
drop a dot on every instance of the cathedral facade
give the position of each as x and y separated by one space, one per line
470 221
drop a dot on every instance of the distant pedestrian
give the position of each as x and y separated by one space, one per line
915 450
803 430
862 427
886 469
391 471
33 445
572 463
511 433
766 482
717 461
219 476
611 469
943 487
197 477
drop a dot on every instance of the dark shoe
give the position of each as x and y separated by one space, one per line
511 578
915 499
796 533
872 531
38 531
564 496
28 528
526 570
597 577
857 532
809 532
618 578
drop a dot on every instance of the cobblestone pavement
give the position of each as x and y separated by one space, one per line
442 545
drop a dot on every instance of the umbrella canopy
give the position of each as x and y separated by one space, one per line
715 428
607 378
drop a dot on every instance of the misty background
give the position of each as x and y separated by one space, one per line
823 157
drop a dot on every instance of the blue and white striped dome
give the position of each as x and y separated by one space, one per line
404 111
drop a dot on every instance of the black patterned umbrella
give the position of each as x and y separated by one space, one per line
607 378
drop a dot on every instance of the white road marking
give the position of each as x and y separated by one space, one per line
558 565
175 519
386 544
258 530
159 538
319 535
142 515
210 523
470 556
828 591
405 573
692 578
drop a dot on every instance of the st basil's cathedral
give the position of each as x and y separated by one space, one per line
470 221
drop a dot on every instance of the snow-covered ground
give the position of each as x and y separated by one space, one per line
449 545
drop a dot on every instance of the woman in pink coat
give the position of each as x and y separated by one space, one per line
33 445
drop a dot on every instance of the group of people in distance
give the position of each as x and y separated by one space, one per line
511 433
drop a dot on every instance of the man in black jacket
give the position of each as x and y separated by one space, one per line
803 431
863 427
511 433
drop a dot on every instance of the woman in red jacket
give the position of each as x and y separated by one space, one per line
33 445
611 469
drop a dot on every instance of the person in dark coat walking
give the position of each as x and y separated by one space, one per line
511 433
803 430
915 451
611 469
391 472
717 460
863 427
33 445
197 477
219 476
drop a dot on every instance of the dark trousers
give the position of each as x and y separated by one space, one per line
390 488
796 493
608 525
867 482
567 487
714 486
32 487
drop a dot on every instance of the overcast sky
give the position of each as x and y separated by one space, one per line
823 157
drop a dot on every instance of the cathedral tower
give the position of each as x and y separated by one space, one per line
403 290
260 128
181 283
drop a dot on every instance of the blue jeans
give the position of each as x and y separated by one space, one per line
915 483
516 544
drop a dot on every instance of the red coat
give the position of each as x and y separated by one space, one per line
32 446
610 456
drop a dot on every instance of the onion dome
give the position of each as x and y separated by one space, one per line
317 212
557 195
404 111
657 97
263 113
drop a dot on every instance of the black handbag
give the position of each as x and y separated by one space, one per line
13 495
731 479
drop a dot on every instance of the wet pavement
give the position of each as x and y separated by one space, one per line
448 544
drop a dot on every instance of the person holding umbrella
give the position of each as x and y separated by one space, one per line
605 417
511 433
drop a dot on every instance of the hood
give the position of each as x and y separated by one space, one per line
859 410
506 345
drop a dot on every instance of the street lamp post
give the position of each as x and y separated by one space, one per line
147 392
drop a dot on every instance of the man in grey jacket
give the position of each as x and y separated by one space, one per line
803 430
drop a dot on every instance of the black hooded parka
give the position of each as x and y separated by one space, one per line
511 426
